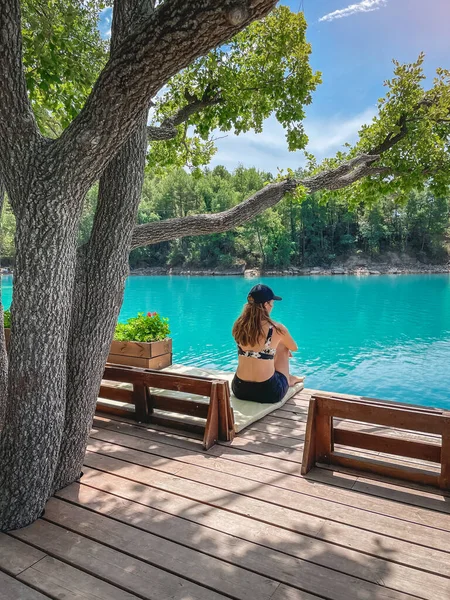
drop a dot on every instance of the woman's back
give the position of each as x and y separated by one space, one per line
256 362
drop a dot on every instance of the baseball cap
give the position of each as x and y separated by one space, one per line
262 293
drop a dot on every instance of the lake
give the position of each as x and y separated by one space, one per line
381 336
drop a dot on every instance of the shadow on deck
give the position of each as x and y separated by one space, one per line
157 517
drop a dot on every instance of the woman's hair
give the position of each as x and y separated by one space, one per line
249 327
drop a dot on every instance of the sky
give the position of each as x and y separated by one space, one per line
353 45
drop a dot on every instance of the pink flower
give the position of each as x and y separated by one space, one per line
149 314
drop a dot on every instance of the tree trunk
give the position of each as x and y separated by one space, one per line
3 355
34 416
102 268
99 284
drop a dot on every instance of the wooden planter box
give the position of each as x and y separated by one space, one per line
148 355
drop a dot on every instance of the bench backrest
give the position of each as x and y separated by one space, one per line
322 436
217 414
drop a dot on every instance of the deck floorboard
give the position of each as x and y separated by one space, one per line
156 517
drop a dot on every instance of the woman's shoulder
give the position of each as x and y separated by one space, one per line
281 329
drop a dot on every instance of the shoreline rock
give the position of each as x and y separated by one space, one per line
360 271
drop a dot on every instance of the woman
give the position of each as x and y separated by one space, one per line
264 348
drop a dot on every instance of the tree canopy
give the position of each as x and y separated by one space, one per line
63 56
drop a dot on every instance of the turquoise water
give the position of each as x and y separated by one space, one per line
386 336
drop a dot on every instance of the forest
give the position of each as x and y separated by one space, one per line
312 232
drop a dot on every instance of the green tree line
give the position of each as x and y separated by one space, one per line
315 231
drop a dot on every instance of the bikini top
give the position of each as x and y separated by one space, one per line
267 353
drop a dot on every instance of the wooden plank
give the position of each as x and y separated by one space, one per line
11 589
283 441
388 445
273 427
405 495
157 379
178 405
265 465
309 450
385 469
226 417
418 407
63 582
278 566
110 409
157 362
176 424
212 422
284 593
16 556
180 560
142 350
116 393
287 509
182 440
159 511
128 573
381 415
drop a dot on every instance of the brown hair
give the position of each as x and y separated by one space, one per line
249 327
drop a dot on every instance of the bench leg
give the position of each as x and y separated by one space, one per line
444 479
324 438
226 418
212 421
140 399
309 450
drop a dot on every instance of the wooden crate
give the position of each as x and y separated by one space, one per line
146 355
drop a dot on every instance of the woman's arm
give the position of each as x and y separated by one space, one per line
287 339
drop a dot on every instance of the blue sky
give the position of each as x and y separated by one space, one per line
353 44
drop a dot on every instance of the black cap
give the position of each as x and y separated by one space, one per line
262 293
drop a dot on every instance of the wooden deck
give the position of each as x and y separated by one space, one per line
155 517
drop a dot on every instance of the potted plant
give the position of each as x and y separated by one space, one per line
142 341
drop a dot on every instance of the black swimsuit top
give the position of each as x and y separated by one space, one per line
267 353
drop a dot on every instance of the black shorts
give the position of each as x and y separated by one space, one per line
270 391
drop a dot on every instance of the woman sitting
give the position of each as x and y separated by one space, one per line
264 348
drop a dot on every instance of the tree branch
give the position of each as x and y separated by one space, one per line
392 139
17 123
168 128
402 123
333 179
176 33
169 229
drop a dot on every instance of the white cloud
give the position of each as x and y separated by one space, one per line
328 135
352 9
268 150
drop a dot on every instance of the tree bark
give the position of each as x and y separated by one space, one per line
3 355
43 280
102 268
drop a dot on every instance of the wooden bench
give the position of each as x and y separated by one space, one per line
322 436
217 414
